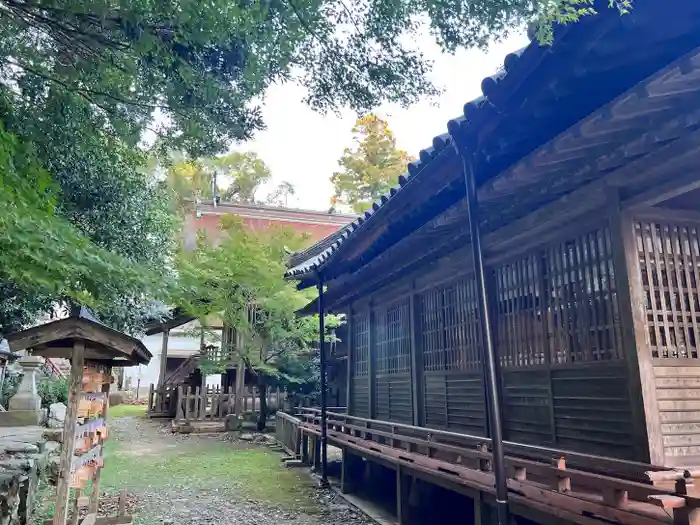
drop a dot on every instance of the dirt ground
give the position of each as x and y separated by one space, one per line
209 479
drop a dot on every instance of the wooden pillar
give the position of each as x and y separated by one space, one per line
75 389
402 489
345 472
648 445
351 366
163 359
371 368
482 511
305 448
416 361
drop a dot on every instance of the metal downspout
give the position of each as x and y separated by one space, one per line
492 381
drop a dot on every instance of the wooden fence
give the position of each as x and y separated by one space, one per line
288 434
215 403
162 401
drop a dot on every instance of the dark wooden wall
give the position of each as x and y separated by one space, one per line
417 354
666 265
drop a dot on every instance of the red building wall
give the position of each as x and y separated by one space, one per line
208 218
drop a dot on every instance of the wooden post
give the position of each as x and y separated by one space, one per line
180 411
344 473
416 360
163 359
95 493
350 366
305 448
563 481
648 445
402 486
371 369
151 399
317 453
75 388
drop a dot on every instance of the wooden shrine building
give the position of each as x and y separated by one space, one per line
586 161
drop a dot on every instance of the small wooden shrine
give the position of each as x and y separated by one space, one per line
93 349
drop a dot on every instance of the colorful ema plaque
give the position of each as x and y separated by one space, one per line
91 428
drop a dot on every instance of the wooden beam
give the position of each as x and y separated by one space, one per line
75 389
509 178
163 357
666 191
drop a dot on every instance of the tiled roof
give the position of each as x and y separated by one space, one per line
473 115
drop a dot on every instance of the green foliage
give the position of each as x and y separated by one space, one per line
240 280
53 390
371 166
203 67
40 251
9 387
238 177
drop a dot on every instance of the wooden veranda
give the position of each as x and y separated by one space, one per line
546 485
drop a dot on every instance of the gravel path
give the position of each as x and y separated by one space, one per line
146 446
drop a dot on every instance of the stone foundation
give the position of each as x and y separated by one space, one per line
24 454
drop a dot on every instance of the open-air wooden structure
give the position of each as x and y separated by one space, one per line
563 207
90 346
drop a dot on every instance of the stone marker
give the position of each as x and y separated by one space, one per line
25 405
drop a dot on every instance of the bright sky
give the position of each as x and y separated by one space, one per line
303 147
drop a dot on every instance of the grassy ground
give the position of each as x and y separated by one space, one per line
127 411
158 468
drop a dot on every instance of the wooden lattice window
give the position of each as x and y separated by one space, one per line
584 319
669 256
450 327
360 341
462 326
432 332
394 339
519 321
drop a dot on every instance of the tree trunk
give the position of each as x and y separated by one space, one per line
262 415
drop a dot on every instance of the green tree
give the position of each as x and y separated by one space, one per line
280 195
238 176
371 166
44 259
203 67
240 280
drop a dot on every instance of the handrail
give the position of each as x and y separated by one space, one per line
545 481
621 467
55 371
